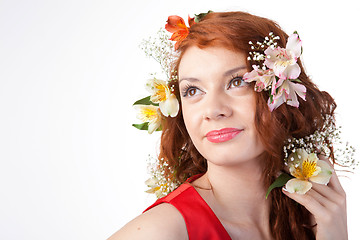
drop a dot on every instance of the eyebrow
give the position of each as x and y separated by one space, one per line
234 70
227 73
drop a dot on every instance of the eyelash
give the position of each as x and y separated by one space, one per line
189 86
187 89
236 77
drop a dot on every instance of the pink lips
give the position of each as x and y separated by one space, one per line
222 135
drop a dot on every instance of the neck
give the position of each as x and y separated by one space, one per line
238 193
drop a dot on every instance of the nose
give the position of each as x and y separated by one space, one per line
216 106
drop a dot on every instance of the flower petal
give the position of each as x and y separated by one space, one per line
271 56
276 101
159 194
170 106
146 113
291 71
298 186
153 126
175 23
295 89
158 89
151 182
294 44
323 177
150 114
251 76
191 21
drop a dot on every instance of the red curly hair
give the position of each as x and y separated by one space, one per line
234 30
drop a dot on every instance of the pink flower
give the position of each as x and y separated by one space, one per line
264 78
287 93
283 61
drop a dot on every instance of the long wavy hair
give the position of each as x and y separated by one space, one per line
234 30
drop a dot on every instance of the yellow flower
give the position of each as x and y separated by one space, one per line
160 93
306 168
150 114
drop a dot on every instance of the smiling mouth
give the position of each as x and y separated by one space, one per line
222 135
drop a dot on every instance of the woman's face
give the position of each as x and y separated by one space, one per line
218 106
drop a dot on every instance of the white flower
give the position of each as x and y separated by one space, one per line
150 114
306 168
155 187
160 93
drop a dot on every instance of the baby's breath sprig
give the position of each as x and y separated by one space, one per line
322 141
159 184
161 49
258 49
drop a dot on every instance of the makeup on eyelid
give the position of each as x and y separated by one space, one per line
188 87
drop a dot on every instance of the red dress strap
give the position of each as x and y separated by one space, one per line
201 222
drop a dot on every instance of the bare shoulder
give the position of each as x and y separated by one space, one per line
161 222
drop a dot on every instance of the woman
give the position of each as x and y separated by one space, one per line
227 140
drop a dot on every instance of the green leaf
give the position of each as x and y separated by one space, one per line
145 126
142 126
200 16
145 101
279 182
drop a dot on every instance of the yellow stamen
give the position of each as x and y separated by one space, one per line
160 94
149 114
308 168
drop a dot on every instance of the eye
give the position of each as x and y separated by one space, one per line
190 91
236 81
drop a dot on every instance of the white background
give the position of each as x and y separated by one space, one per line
71 165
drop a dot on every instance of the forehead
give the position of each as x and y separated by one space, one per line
210 60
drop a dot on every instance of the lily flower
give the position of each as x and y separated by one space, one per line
150 114
176 25
155 187
161 93
306 168
284 60
264 78
286 93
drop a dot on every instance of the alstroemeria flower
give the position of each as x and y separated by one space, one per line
155 187
306 168
160 93
284 60
150 114
264 78
286 93
176 25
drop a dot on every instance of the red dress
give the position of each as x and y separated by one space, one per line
201 221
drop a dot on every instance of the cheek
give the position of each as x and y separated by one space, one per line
192 119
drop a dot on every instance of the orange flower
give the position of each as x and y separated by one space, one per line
176 25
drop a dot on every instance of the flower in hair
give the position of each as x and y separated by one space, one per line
306 168
287 92
150 116
161 102
161 93
264 78
283 61
176 25
279 71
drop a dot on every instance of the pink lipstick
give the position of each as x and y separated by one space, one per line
222 135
